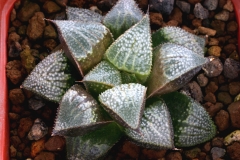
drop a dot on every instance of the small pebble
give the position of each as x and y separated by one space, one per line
210 4
234 88
211 87
51 7
13 116
202 80
210 97
176 15
62 3
223 15
213 42
13 151
232 26
200 12
231 68
16 96
224 97
214 51
207 147
37 147
234 151
95 9
15 141
24 127
50 32
153 154
55 143
15 72
232 137
219 26
217 142
207 31
184 6
229 48
192 153
38 130
196 22
36 26
130 149
45 156
106 4
234 112
217 153
213 68
222 120
212 109
195 91
228 6
36 102
173 155
13 15
156 19
27 11
163 6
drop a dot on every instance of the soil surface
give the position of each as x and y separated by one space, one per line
216 86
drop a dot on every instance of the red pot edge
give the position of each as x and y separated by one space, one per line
5 8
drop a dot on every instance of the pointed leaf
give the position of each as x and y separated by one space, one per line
51 77
104 76
179 36
129 78
155 130
192 124
125 103
81 14
132 52
78 113
173 67
122 16
84 42
94 144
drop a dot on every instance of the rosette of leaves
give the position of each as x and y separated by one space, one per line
129 83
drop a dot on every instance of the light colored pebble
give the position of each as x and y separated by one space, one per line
207 31
228 6
213 42
223 15
214 51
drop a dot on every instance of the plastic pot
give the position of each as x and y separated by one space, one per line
5 9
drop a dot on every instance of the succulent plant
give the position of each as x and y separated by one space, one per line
129 83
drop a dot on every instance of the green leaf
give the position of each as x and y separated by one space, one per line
173 67
84 42
155 130
122 16
51 77
78 113
179 36
125 103
192 124
93 145
81 14
129 78
132 52
104 76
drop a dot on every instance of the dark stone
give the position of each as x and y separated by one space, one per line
162 6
